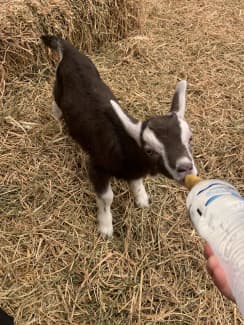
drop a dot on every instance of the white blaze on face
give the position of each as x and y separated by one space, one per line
152 141
184 165
184 162
150 138
185 139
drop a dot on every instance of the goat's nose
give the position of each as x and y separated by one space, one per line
184 167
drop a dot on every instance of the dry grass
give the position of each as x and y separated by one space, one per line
87 23
54 267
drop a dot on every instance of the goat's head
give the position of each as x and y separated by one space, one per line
166 140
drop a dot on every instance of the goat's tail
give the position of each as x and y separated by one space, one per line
53 42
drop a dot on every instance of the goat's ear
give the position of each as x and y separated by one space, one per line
178 104
132 128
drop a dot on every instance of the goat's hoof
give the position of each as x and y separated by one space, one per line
106 231
142 202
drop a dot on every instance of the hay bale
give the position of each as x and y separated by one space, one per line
54 268
88 24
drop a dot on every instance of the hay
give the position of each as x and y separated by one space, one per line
88 24
54 267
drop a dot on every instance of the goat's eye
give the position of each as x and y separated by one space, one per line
149 152
189 143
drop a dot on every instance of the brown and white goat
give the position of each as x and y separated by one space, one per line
117 144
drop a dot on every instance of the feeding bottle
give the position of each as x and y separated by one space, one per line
216 209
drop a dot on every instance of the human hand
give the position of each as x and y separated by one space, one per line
217 273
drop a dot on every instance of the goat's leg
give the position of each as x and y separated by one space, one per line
57 113
139 192
104 194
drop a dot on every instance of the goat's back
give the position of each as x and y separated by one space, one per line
84 100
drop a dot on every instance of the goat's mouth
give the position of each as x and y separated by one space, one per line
180 180
181 175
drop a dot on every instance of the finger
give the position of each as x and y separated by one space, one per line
212 262
207 251
221 282
217 273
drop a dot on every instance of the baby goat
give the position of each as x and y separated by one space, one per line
118 145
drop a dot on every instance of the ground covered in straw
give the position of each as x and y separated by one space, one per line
54 267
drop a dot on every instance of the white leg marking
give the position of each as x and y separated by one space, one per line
57 113
104 216
140 193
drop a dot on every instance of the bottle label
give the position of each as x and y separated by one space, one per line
217 190
216 196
